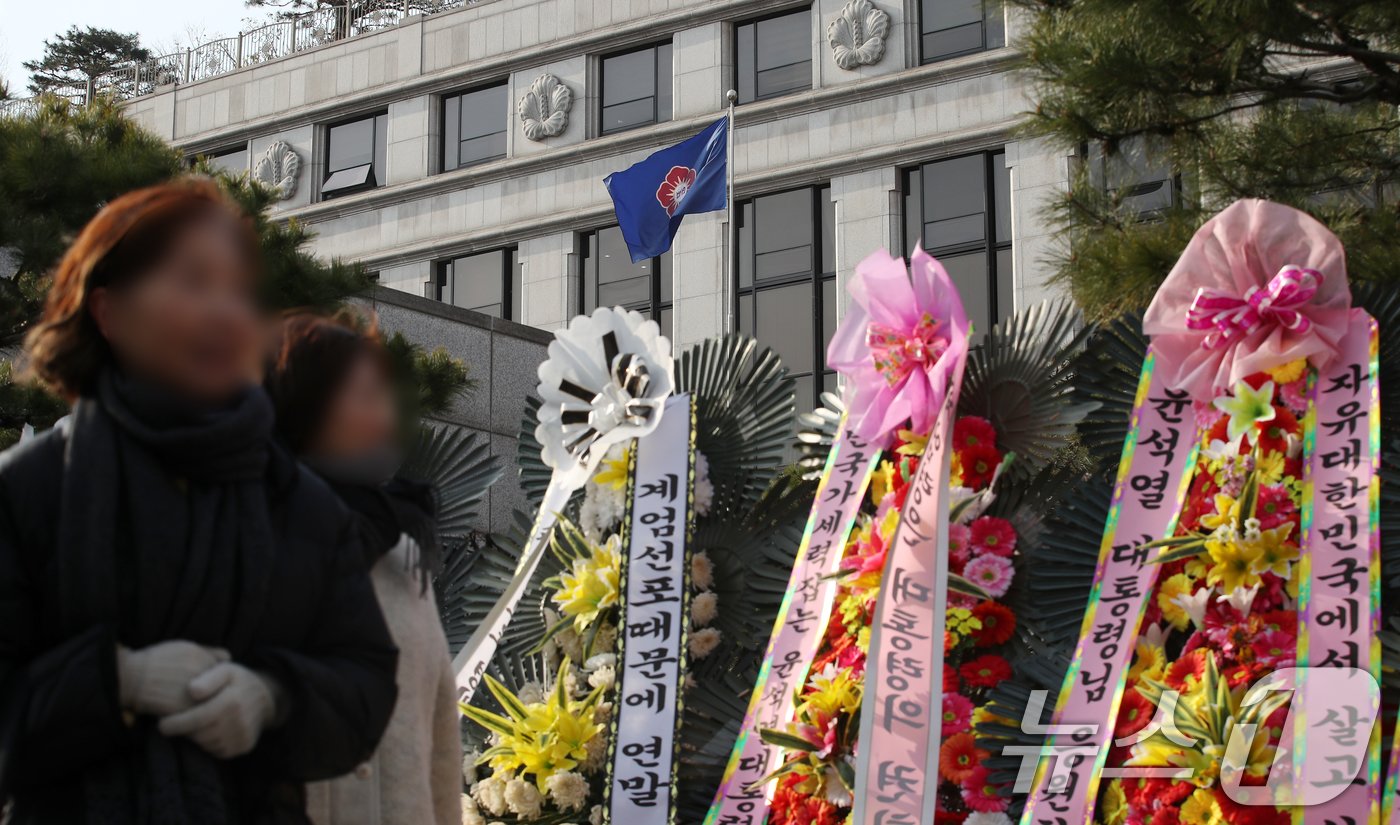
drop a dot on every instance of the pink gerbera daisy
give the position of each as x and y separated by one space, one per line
957 714
993 536
959 544
1274 507
980 795
1276 648
991 573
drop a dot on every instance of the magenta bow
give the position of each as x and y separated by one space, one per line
898 353
1230 318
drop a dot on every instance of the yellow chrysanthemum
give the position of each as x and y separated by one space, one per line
831 691
882 482
1290 372
1174 587
1276 552
1150 661
1235 562
914 443
613 471
1227 512
1115 803
590 586
1270 466
960 623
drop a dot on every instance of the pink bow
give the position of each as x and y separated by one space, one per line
1230 318
897 353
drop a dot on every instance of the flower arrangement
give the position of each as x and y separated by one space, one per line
816 780
1223 612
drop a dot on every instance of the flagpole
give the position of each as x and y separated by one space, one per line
730 282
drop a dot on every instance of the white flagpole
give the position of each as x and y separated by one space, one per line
732 259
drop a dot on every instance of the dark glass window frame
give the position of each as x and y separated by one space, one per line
216 156
376 174
511 287
991 36
1000 297
821 277
451 111
661 70
657 305
739 67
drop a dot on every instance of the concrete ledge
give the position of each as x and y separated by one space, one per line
427 306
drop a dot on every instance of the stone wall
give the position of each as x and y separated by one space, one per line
501 358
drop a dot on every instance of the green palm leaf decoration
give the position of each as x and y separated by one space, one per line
1106 373
816 432
1021 379
459 464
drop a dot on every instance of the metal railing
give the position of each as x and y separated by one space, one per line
266 43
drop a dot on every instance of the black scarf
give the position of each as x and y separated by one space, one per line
165 534
388 511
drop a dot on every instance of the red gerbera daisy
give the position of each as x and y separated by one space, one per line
1133 715
1190 664
959 757
986 671
950 680
978 463
993 535
1273 434
998 623
972 431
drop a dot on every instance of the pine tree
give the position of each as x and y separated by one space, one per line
1280 99
79 56
58 167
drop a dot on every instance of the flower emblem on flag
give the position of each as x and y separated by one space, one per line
675 187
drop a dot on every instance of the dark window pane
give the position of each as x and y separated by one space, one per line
783 228
630 76
358 176
775 56
381 149
830 383
746 244
954 202
627 115
663 82
953 27
484 112
665 319
611 279
913 210
517 285
784 322
969 274
351 144
746 315
1001 197
828 314
996 25
451 131
486 147
828 262
475 127
664 276
1006 281
636 88
478 282
805 398
234 162
949 14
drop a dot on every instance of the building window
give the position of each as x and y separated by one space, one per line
948 28
355 152
960 210
787 282
233 161
1138 175
774 55
485 282
636 89
611 279
474 126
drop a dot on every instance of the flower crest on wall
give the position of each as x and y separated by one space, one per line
857 35
278 169
544 110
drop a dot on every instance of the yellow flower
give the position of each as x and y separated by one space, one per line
955 475
915 443
1247 407
1290 372
1150 662
1269 467
613 471
961 622
1276 552
882 482
1115 803
1175 586
833 690
1227 513
1235 563
863 639
591 585
1201 809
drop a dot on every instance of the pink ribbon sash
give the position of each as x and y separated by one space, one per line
1153 476
797 632
1228 318
900 730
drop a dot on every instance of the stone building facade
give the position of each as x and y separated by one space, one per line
461 155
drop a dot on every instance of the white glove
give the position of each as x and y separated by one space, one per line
155 680
235 706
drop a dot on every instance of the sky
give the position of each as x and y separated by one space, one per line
163 25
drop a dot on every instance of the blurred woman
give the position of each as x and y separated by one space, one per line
182 638
337 409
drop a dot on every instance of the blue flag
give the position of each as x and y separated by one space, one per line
651 196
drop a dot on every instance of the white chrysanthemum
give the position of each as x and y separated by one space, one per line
490 794
606 640
568 790
471 815
568 642
595 816
703 642
704 489
704 608
523 798
595 754
469 769
987 818
603 677
532 693
702 571
602 510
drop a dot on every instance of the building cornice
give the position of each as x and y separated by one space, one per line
976 65
815 171
427 306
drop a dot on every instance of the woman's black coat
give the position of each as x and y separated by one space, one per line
320 635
